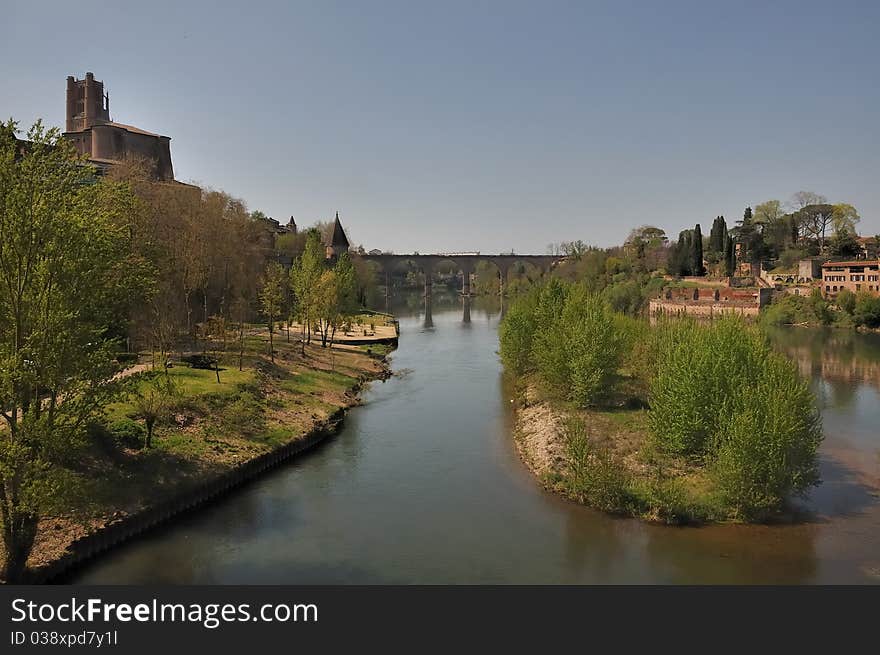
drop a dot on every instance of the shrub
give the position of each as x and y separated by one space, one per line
867 310
127 432
699 367
625 297
767 441
594 476
127 358
548 342
721 394
595 346
785 311
846 300
516 333
200 361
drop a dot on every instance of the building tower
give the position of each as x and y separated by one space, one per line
87 104
291 226
337 244
105 143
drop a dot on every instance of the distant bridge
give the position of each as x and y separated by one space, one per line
465 262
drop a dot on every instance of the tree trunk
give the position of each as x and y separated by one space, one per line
150 424
240 345
272 342
19 535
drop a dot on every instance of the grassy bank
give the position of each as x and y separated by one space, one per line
205 428
604 458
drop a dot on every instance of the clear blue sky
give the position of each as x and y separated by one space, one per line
479 125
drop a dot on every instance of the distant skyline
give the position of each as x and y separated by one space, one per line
484 126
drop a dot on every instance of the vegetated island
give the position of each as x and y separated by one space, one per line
679 422
200 428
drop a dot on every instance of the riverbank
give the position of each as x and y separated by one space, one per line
213 436
603 458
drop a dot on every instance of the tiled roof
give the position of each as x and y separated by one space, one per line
857 262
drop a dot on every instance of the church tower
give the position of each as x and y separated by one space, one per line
87 104
338 242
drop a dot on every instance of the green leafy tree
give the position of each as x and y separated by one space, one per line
62 281
846 300
844 218
152 402
516 333
867 310
844 244
723 396
304 276
272 299
749 237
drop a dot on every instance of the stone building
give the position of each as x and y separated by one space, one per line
92 132
857 275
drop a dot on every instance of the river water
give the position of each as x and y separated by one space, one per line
423 485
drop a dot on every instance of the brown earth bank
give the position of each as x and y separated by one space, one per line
215 437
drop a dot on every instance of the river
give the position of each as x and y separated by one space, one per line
423 485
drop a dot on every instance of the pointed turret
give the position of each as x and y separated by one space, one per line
338 242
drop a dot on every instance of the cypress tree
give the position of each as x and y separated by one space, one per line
717 240
687 248
729 257
696 250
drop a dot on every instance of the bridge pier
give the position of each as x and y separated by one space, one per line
467 270
428 271
429 316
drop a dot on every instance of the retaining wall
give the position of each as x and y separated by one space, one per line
121 530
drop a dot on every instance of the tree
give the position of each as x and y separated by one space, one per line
697 267
803 199
574 249
62 280
846 300
815 220
749 238
717 239
327 306
844 218
272 299
347 286
775 228
768 213
729 257
152 402
844 244
304 276
681 255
